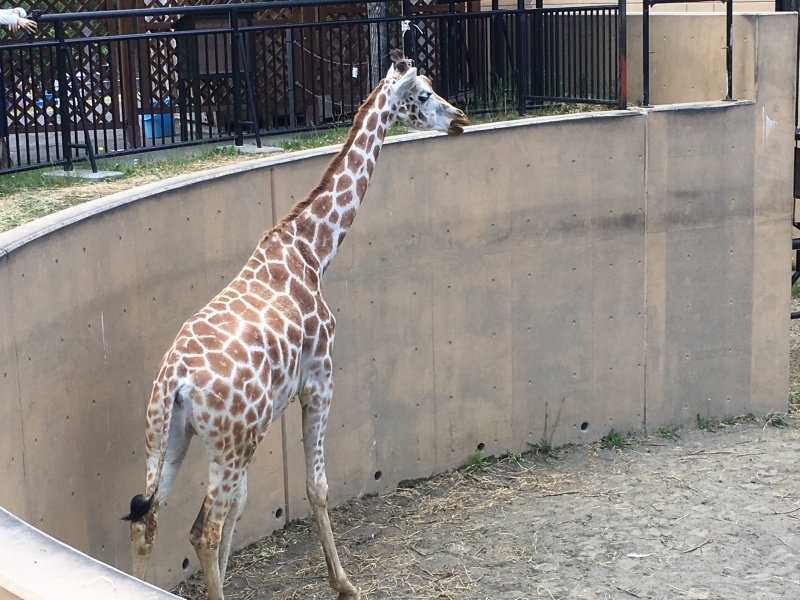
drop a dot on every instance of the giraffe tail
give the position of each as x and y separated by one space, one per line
141 505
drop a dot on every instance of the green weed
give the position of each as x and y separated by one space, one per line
668 433
706 424
779 420
542 448
475 462
614 440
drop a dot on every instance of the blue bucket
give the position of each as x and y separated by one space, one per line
157 125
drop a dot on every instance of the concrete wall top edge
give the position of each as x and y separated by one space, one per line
38 566
19 236
710 105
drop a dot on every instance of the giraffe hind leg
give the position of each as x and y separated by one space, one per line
206 536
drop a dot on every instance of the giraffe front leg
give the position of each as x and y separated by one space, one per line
237 507
315 415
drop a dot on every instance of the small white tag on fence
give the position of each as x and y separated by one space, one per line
355 72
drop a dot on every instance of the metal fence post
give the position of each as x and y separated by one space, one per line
622 45
409 46
63 96
233 17
729 48
646 52
521 47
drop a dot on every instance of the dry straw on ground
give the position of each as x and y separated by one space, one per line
699 515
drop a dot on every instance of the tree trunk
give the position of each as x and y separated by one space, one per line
378 39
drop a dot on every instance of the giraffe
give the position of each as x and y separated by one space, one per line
266 339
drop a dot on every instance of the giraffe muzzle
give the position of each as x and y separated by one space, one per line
457 124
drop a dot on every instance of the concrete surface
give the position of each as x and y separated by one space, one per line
37 567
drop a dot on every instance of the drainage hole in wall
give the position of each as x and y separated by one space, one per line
185 564
584 426
481 447
378 475
279 513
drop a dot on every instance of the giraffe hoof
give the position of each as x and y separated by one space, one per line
351 594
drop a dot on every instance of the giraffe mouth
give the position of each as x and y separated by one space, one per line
457 125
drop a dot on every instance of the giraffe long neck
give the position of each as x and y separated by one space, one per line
323 219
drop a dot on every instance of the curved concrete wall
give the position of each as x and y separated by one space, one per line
541 278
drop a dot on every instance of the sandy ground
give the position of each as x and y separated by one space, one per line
699 515
686 514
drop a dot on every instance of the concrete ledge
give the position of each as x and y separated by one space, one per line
36 566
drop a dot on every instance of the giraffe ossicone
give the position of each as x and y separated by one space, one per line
267 338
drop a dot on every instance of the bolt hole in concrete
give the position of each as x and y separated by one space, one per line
279 513
481 447
378 475
584 426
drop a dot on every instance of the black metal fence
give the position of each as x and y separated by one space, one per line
154 78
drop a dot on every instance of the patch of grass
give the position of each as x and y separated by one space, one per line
513 458
794 401
614 440
320 138
27 195
475 462
731 421
33 208
795 289
779 420
542 448
668 433
706 424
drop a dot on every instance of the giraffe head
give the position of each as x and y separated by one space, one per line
418 106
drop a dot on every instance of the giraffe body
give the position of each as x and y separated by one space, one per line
266 339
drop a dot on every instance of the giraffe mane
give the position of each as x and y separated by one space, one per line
335 163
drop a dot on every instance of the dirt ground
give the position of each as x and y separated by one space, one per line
692 514
702 515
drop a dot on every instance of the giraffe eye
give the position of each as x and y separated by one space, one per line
423 97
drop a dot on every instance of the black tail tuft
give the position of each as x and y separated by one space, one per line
139 507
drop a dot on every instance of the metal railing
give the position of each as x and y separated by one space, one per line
168 77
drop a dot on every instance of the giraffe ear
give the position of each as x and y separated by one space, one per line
406 82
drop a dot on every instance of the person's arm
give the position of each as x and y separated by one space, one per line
15 18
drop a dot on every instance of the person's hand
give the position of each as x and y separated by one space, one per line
28 25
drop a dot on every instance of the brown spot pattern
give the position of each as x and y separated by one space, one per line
302 296
361 186
322 206
344 183
324 243
347 218
354 161
345 198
